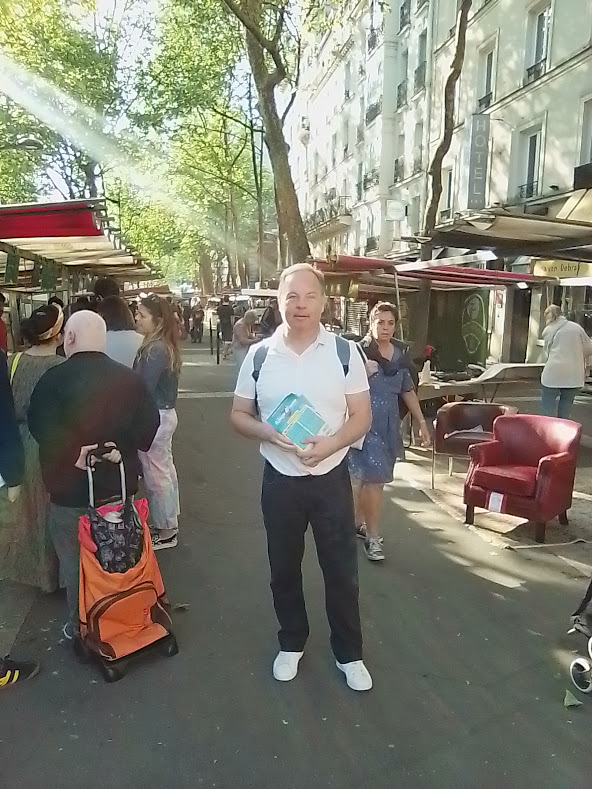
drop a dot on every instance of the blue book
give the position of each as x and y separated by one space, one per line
296 418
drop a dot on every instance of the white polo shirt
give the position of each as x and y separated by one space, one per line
318 375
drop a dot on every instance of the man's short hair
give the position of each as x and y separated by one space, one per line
106 286
302 267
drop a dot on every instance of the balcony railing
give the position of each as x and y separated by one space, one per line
371 178
399 171
373 112
373 39
420 77
417 164
528 190
402 94
485 101
445 214
535 71
335 208
371 244
405 14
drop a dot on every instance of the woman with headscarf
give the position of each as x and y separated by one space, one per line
26 550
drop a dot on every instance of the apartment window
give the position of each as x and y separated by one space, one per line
530 160
334 150
586 152
347 81
486 77
417 147
538 42
414 218
360 182
420 71
345 138
316 166
447 186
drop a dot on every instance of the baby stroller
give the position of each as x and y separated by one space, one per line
581 668
123 608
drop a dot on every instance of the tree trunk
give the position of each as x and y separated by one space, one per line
278 152
435 175
205 272
241 266
89 168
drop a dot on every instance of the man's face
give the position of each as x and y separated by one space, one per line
301 300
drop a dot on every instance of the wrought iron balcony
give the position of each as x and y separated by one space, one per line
405 14
373 39
420 77
371 244
334 209
373 111
528 190
402 94
399 171
371 178
485 101
535 71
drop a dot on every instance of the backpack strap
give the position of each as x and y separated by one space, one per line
343 349
258 360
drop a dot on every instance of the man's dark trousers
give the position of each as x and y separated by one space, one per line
289 504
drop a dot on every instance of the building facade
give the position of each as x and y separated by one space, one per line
369 114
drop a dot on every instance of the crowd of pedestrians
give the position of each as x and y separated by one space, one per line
87 377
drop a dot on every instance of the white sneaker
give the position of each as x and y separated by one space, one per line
285 666
356 674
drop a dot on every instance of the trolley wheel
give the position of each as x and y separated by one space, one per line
581 676
112 673
170 647
590 647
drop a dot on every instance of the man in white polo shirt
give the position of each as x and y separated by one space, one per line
310 485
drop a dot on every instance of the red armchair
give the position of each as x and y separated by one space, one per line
528 470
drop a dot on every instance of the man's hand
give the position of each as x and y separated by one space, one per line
318 449
114 456
14 493
84 453
271 435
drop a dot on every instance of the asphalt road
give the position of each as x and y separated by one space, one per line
466 645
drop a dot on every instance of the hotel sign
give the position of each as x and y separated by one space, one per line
478 156
561 269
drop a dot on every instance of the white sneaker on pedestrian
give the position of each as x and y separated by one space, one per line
158 543
373 548
356 674
285 666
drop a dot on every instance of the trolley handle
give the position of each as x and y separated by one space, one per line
98 454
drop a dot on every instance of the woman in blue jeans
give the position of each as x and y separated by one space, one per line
568 349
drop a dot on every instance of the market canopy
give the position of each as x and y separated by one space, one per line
441 272
40 241
509 233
